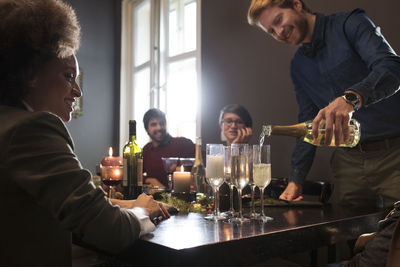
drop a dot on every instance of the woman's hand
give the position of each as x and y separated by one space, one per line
243 135
154 208
292 192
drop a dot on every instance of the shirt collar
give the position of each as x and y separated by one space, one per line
318 37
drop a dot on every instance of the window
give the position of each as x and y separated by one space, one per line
161 65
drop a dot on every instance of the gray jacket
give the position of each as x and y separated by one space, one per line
45 194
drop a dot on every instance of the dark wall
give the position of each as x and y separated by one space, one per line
241 64
98 57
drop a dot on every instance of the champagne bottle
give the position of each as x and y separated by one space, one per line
303 131
198 173
133 165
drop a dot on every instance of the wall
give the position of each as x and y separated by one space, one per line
241 64
98 57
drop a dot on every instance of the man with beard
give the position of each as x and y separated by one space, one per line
343 67
161 145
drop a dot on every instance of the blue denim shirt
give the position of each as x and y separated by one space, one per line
347 51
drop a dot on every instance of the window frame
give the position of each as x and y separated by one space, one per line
159 61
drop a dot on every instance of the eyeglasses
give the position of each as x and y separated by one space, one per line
229 122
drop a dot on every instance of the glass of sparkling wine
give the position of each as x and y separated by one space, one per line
215 175
228 180
240 173
262 173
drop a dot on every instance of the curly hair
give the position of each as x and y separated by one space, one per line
32 33
258 6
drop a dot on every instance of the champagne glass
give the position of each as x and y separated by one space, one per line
253 214
228 180
215 175
240 173
262 173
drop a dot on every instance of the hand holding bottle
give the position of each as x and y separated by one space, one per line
337 116
292 192
243 135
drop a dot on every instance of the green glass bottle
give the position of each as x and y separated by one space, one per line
132 182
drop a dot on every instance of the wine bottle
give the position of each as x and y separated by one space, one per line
303 131
198 173
133 165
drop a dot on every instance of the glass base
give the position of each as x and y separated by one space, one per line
253 215
265 218
213 217
239 220
230 214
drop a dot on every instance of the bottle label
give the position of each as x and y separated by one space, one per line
125 173
140 172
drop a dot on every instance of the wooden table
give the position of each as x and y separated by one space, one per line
190 240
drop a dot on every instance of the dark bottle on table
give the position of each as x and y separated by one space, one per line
132 181
198 173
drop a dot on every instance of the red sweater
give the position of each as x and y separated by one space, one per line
176 147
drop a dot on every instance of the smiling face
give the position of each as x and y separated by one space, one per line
156 129
55 89
288 25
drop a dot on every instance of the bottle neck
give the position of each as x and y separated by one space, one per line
132 138
198 160
297 130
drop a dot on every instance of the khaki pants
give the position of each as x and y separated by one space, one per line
366 179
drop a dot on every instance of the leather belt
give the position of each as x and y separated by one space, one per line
376 145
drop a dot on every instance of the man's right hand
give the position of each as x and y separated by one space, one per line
292 192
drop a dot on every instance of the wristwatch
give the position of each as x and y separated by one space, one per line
352 99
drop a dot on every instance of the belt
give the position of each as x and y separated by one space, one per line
376 145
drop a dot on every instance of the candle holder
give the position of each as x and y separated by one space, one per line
111 177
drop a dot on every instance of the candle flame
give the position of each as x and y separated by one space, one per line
117 172
110 152
182 169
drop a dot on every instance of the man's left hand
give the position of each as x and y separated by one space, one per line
337 115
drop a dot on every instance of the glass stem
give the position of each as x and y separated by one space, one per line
262 201
240 203
253 209
231 209
217 201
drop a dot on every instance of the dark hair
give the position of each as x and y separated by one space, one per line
238 110
33 32
151 114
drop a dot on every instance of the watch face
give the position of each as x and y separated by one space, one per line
351 97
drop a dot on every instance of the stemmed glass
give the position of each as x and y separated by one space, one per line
262 173
253 214
228 180
111 177
215 175
240 173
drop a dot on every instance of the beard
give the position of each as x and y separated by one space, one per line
301 24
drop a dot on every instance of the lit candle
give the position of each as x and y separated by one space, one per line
181 181
110 167
110 160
